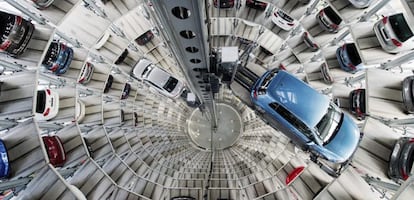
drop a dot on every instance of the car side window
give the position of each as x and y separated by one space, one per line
288 116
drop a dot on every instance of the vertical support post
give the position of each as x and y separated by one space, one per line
91 5
350 81
74 42
311 7
56 81
336 40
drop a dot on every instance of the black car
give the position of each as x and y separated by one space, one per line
145 38
357 104
223 3
407 94
258 5
122 57
401 159
15 33
125 91
108 83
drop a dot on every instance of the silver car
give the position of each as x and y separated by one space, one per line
394 34
161 80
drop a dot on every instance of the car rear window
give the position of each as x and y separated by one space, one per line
353 54
41 101
171 83
268 78
335 18
400 27
52 54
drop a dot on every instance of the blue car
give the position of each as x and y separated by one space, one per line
349 58
309 118
4 161
58 58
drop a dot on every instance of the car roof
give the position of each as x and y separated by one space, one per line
295 95
158 76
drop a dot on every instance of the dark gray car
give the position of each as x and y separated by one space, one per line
401 159
407 94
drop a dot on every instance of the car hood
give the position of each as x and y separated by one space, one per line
345 142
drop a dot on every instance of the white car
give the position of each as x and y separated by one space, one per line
47 104
161 80
361 3
283 20
394 33
85 74
79 111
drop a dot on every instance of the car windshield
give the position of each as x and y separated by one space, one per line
400 27
41 101
171 83
284 16
335 18
329 124
353 54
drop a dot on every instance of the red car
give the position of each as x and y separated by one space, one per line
55 150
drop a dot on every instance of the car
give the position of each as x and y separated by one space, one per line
407 94
326 74
357 103
135 119
283 20
144 38
47 104
361 3
122 57
223 3
159 79
329 19
108 83
42 4
55 150
309 41
349 58
310 119
15 33
183 198
79 111
86 72
58 58
258 5
401 159
394 33
125 91
4 161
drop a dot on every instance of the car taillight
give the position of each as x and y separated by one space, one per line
411 140
255 94
19 20
321 13
343 47
306 33
275 14
404 175
291 24
81 80
350 65
54 67
384 20
5 45
334 26
48 91
46 112
282 67
396 42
